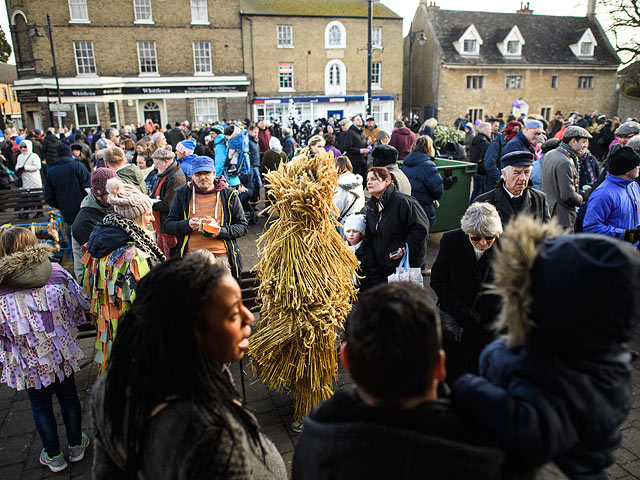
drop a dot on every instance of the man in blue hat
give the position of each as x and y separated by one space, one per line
514 192
207 201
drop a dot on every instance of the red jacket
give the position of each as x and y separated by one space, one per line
263 139
402 139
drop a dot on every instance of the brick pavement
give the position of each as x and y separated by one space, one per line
20 445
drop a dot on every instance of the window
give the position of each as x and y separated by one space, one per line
147 57
202 57
78 11
142 10
206 110
335 78
376 37
513 81
554 81
335 35
285 76
285 36
199 14
113 114
586 49
475 81
476 114
4 93
375 75
546 113
87 114
85 61
470 46
513 47
585 82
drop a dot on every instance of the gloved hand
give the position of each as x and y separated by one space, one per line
632 236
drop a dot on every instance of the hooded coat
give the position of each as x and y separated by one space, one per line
559 386
426 182
402 139
65 186
345 439
91 212
350 195
30 164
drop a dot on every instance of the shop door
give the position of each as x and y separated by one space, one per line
151 110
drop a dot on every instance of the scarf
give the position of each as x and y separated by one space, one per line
141 240
219 183
511 130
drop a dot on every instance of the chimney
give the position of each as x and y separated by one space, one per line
591 8
525 9
434 6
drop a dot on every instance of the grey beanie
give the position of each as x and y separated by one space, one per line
164 153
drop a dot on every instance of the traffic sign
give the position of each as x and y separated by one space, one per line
61 107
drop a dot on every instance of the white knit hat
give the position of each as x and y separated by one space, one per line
127 200
355 222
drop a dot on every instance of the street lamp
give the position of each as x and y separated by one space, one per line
421 40
36 34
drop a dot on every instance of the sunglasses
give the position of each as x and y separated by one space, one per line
477 239
24 147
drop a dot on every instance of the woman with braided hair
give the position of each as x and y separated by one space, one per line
167 408
120 251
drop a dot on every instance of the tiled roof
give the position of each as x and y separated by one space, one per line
315 8
8 73
547 38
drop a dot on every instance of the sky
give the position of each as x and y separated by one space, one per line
406 9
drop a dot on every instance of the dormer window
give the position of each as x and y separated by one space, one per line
586 46
468 45
512 44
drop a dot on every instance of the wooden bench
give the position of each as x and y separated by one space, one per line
22 206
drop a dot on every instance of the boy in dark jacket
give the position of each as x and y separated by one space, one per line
559 386
393 425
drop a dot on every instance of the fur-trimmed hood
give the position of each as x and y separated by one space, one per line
28 267
545 277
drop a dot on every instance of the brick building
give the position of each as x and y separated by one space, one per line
128 60
480 62
308 59
9 106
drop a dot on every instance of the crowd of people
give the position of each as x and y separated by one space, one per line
151 210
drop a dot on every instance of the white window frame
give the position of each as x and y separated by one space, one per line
143 44
343 36
341 87
281 37
206 107
90 59
469 34
589 49
587 38
546 110
196 49
554 81
479 83
513 82
586 82
376 37
199 6
476 113
514 35
281 71
117 112
78 4
142 4
376 75
86 112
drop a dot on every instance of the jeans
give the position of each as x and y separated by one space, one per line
43 417
479 185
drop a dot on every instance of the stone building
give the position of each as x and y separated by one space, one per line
125 61
9 106
480 63
308 59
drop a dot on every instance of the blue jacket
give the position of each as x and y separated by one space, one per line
185 165
519 143
551 408
105 239
254 151
613 207
232 226
426 182
65 185
492 163
220 153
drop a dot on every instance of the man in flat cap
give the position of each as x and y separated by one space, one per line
560 175
614 207
514 192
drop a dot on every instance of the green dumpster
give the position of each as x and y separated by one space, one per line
457 190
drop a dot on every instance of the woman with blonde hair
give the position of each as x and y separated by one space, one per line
120 251
39 352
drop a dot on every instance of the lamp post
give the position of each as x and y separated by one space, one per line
369 54
421 40
37 34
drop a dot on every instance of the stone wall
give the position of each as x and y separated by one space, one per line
628 107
